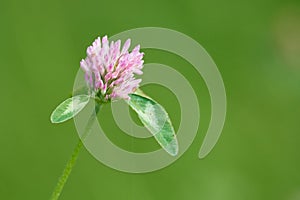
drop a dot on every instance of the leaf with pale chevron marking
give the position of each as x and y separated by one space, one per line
69 108
156 120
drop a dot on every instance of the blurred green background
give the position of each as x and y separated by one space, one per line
256 45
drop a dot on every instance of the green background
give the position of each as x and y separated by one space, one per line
255 44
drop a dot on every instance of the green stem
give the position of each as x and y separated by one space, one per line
67 171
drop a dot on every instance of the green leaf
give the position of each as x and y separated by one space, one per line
156 120
69 108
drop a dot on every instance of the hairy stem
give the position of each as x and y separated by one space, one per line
67 171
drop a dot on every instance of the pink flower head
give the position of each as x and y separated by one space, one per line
109 70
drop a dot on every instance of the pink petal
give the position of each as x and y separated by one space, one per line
126 46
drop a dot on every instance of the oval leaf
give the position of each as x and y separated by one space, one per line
69 108
156 120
